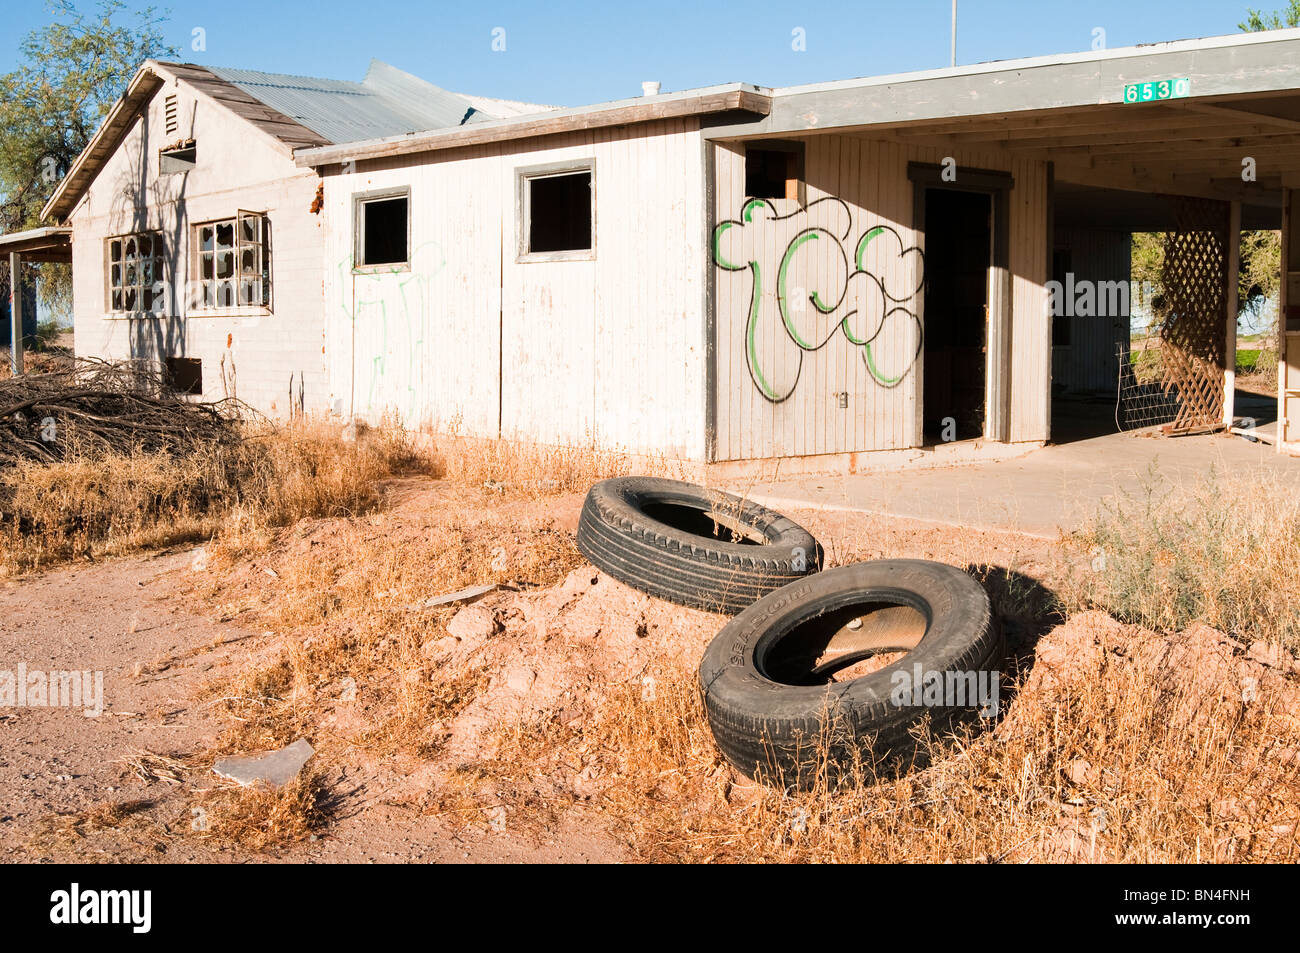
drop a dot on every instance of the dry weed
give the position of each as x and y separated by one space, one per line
1225 552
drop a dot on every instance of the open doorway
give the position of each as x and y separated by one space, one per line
958 255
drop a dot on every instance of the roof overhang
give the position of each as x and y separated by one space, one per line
52 243
737 98
1070 110
106 139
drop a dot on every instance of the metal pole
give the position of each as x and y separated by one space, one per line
15 315
954 33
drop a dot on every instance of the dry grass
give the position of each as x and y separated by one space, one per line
67 829
1152 792
260 818
1097 767
1225 552
94 504
523 468
347 597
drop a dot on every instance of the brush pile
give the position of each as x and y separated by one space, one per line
100 407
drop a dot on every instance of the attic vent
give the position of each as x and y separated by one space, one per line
169 112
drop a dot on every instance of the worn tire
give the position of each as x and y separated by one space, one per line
773 721
625 531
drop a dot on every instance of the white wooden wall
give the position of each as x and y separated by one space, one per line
238 168
1088 363
870 176
607 352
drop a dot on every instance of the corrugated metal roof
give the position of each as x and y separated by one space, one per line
388 102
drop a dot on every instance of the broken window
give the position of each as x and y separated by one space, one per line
383 229
232 262
184 375
774 172
181 158
136 280
557 210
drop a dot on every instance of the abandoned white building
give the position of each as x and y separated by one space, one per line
719 274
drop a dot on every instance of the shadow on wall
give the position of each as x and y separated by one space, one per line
156 336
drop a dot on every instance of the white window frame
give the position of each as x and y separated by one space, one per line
523 209
125 298
359 201
244 289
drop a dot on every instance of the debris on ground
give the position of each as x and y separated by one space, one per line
105 407
276 768
459 597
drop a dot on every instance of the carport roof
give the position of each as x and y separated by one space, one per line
1243 101
51 243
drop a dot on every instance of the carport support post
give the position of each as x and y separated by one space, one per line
15 315
1231 306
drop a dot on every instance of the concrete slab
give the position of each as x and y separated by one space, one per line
277 768
1043 493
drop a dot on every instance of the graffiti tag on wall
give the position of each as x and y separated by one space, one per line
810 283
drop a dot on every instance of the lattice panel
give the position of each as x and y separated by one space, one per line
1193 330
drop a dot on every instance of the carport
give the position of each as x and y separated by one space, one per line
1200 138
53 244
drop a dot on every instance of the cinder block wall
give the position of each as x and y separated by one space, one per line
252 353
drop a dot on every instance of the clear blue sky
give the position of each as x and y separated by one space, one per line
570 54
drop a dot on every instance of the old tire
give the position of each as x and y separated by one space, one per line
691 545
767 678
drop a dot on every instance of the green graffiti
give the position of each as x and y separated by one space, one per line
751 328
781 299
717 247
898 279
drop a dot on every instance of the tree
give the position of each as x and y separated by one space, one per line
1279 20
71 73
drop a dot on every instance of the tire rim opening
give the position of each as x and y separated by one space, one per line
707 523
844 644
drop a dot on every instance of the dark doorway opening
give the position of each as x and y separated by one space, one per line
958 255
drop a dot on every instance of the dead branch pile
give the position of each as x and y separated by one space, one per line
102 407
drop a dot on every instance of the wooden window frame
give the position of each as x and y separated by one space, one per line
251 290
120 294
359 201
796 147
524 176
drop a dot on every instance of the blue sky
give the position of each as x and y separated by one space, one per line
570 54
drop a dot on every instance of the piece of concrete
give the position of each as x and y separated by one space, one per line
274 767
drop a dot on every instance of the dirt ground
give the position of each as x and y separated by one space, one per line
541 661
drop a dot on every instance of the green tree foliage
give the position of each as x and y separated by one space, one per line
71 73
1259 270
1279 20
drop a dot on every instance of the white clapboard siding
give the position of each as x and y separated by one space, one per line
608 351
1089 363
870 176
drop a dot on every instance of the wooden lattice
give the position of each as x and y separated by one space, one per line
1193 330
